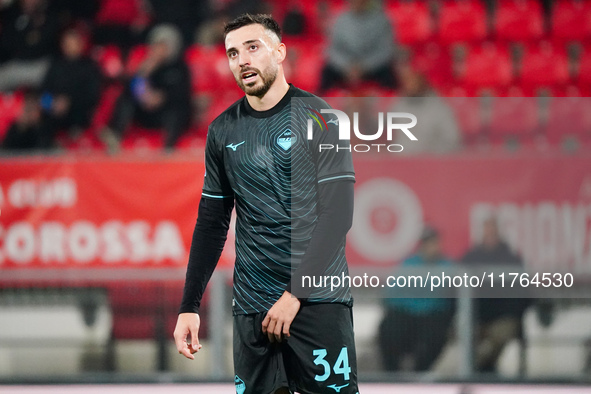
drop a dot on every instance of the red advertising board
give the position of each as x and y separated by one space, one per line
121 215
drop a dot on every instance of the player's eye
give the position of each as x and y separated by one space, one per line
253 47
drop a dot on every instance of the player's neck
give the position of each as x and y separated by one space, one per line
277 91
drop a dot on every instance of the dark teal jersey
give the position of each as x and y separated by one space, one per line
264 160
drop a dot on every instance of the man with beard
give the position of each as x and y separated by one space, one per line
294 206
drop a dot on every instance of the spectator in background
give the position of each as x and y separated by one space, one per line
70 90
498 319
25 133
416 326
121 22
186 15
159 94
361 48
437 130
28 38
74 11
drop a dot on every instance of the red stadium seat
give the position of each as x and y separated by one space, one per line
139 139
321 15
135 58
109 60
487 66
462 21
434 61
519 20
192 140
584 74
11 105
468 114
411 21
514 117
209 69
568 117
571 20
118 12
544 65
304 64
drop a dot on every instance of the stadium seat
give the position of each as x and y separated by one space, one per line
411 22
194 139
118 12
140 139
584 72
571 20
11 105
468 114
544 65
135 58
109 60
434 61
513 118
304 64
518 20
462 21
487 66
209 69
568 117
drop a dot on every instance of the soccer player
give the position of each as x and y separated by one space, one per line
294 206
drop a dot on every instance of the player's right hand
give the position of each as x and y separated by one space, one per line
187 327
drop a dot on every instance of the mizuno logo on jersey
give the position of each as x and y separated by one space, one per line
337 388
234 146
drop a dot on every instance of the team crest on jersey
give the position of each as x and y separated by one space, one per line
240 386
286 139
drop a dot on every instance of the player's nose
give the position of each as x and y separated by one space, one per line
243 60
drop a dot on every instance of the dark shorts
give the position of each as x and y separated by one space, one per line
317 358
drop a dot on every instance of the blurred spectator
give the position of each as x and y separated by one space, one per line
70 90
436 129
498 319
28 38
416 326
159 95
121 22
211 29
361 48
186 15
73 11
25 133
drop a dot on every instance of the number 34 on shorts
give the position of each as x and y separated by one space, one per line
340 367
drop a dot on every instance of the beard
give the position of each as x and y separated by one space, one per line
251 89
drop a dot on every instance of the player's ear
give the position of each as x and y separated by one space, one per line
281 52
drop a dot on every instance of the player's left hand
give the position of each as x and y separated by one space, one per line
278 320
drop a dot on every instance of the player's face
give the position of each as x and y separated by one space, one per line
254 58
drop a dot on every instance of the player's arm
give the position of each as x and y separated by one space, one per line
335 217
209 237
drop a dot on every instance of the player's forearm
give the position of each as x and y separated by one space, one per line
208 242
334 221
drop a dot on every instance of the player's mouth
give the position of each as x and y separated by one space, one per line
249 76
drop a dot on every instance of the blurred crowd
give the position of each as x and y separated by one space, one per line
414 331
101 74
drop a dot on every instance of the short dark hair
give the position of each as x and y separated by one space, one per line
265 20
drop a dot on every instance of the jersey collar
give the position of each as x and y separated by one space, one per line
272 111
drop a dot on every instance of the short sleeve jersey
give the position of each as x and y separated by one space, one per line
265 161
